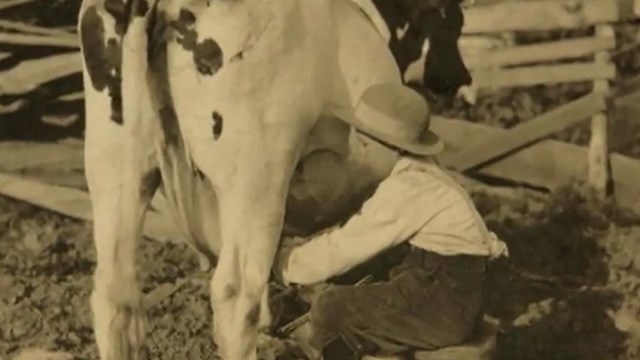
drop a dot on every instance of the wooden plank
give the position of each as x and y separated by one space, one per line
29 74
544 74
64 155
76 204
624 127
598 144
28 28
78 95
4 55
547 164
70 179
477 58
39 40
6 4
545 15
60 120
524 134
548 51
12 107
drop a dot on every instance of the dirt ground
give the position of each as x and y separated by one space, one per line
569 290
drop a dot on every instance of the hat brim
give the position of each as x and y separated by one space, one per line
429 144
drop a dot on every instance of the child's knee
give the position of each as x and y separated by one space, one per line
329 312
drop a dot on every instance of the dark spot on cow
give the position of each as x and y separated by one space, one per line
187 17
208 57
207 54
123 11
150 182
217 125
103 58
142 8
135 8
253 316
230 291
116 8
114 56
93 51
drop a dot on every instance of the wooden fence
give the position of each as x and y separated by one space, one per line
496 63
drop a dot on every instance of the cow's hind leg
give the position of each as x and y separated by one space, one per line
122 178
120 193
116 301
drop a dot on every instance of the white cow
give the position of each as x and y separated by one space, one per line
214 101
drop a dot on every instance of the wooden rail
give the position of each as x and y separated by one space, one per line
547 15
547 62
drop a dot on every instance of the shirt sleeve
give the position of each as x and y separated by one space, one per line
391 216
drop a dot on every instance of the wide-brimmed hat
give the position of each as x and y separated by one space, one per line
396 115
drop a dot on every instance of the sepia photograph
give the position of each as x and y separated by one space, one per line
319 179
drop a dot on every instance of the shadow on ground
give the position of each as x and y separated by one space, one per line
552 295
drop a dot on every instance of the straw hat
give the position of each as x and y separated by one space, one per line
395 114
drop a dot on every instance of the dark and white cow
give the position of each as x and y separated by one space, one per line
215 101
411 23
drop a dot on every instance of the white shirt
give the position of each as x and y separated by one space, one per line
419 203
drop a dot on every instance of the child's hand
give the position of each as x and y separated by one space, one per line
282 256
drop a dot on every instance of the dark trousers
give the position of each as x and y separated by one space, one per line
429 301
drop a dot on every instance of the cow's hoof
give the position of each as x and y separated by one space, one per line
482 347
127 332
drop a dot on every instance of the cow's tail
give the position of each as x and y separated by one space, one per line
191 201
142 95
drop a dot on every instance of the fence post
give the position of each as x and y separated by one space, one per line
599 167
